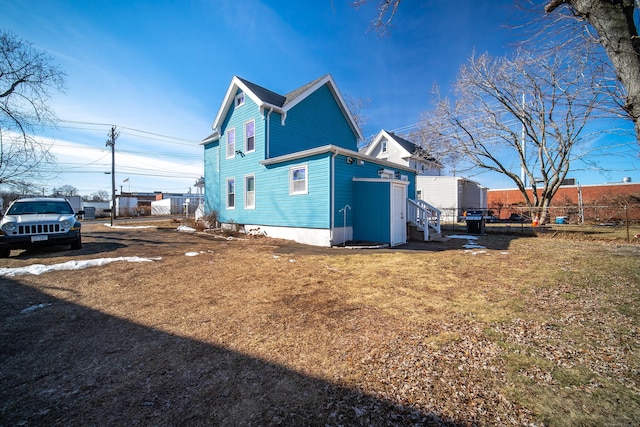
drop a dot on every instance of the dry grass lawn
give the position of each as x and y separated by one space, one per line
529 331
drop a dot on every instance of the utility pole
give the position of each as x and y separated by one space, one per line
111 142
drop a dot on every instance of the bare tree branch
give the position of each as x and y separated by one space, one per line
27 79
489 117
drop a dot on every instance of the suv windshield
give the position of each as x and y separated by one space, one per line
25 208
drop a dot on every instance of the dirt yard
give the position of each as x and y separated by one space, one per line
212 331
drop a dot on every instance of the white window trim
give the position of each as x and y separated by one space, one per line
246 138
226 192
246 206
237 98
235 140
306 181
383 146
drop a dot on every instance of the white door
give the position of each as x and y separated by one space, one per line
398 214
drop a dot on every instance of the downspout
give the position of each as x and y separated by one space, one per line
332 196
219 202
268 154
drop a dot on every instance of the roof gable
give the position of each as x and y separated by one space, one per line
269 100
408 147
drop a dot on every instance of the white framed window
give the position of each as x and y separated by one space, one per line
384 146
231 193
231 143
239 99
250 136
298 180
250 192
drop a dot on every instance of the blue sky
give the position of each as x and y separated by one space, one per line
159 70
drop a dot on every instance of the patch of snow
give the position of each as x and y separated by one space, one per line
471 242
459 236
192 254
474 253
38 269
185 229
34 308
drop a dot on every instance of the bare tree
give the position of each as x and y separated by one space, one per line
66 191
614 23
617 32
522 117
99 196
356 107
27 78
386 11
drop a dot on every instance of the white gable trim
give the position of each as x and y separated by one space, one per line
229 98
383 134
236 84
336 94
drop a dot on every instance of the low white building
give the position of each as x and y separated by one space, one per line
175 206
453 195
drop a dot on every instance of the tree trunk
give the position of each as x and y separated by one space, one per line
613 20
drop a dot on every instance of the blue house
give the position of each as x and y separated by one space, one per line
289 166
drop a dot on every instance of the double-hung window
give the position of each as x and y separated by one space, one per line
231 193
231 143
250 192
250 136
298 180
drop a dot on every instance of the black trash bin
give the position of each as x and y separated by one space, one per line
475 222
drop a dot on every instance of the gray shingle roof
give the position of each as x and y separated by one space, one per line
273 98
412 148
266 95
297 92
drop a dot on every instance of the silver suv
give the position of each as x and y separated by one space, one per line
39 222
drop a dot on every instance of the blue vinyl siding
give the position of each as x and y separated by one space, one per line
211 178
238 166
315 122
275 206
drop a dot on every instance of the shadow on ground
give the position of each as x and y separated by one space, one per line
65 364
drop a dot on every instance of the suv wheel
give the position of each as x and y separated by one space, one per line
77 245
4 253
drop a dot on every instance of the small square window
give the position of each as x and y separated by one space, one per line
240 99
298 182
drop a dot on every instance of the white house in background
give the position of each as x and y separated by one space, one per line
393 148
453 195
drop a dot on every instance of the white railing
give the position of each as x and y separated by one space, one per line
424 216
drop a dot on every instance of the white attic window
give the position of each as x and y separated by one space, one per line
239 99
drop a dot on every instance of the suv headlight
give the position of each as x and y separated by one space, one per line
65 223
9 227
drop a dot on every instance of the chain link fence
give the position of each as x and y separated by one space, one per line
614 214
